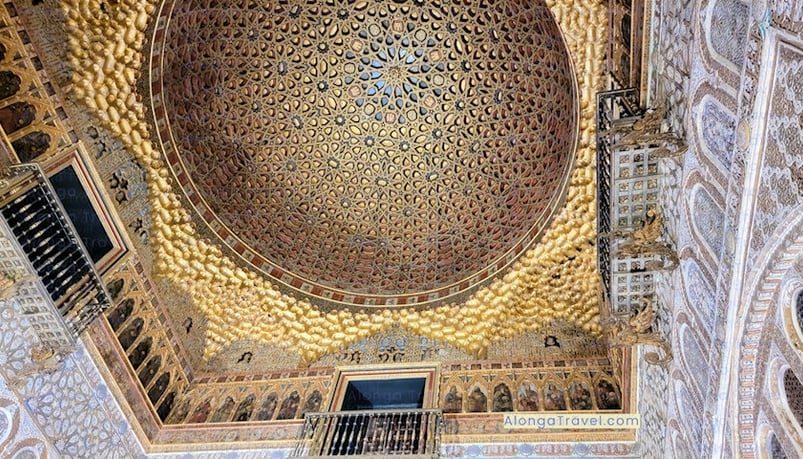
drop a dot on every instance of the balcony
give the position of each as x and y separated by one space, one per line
633 248
371 434
35 222
614 109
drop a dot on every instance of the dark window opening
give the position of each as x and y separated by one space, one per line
79 208
384 394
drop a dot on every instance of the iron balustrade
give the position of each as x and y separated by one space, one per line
614 109
371 433
39 223
632 249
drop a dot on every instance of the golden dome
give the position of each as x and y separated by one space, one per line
370 152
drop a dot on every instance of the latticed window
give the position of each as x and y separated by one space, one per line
793 389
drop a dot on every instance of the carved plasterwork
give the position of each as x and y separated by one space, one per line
63 392
776 244
781 189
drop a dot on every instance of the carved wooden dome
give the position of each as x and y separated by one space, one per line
375 152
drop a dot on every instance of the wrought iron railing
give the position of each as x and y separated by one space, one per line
632 247
374 434
614 108
44 232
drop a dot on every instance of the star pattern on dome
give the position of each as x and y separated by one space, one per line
379 149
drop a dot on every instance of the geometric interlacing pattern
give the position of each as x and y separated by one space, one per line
372 152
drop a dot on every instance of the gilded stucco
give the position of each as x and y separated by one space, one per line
556 279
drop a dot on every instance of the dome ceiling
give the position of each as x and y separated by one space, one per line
377 153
